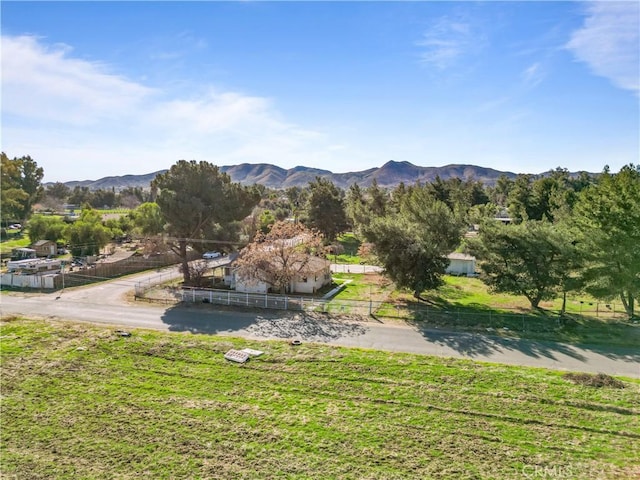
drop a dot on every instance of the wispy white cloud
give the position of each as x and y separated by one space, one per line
533 75
447 40
180 46
609 42
45 83
75 115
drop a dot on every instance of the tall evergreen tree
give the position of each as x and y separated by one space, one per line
607 218
532 258
413 243
325 208
200 206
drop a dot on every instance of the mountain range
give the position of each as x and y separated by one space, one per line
389 175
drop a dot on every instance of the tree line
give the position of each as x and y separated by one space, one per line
564 232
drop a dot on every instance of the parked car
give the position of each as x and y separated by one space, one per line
211 255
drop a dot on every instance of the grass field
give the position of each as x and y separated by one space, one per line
84 402
466 304
14 242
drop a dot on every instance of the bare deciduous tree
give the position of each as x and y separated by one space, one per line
280 255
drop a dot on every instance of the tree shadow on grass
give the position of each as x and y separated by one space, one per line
308 326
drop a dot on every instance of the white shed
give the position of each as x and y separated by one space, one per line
461 264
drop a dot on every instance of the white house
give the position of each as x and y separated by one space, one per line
461 264
310 278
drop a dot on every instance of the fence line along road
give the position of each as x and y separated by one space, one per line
257 300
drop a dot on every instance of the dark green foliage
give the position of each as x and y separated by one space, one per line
607 219
201 205
325 209
87 235
80 195
550 197
20 187
362 206
532 259
58 190
46 227
413 244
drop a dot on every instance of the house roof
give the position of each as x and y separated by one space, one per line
460 256
313 265
42 243
316 264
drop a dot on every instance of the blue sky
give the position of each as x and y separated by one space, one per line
93 89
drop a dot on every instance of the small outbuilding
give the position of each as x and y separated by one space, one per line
45 248
461 264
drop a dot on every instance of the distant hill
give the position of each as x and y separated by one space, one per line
389 175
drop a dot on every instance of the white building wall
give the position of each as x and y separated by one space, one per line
312 284
461 267
250 287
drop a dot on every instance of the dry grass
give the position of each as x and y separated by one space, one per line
598 380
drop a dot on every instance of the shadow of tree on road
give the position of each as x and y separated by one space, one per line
476 344
307 326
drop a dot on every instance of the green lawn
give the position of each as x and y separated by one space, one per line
14 242
466 304
350 243
83 402
363 287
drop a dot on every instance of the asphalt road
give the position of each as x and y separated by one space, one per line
106 303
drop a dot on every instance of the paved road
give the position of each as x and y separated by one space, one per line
106 304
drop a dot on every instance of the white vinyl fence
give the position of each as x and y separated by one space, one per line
28 281
260 300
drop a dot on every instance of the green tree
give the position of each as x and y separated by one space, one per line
20 187
607 218
120 227
499 193
80 195
325 209
87 235
201 206
58 190
103 198
413 244
361 206
148 219
45 227
355 207
297 198
267 219
377 199
520 199
532 258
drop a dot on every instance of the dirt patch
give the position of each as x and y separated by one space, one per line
599 380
